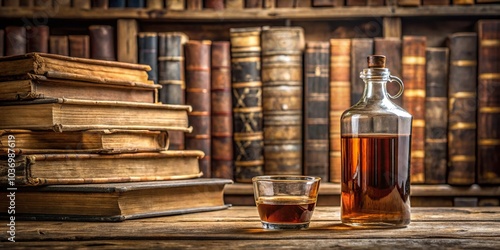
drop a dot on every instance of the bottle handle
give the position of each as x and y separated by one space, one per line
401 86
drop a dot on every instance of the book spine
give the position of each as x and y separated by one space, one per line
436 115
436 2
235 4
11 3
391 48
136 4
171 76
59 45
198 96
127 40
462 94
15 40
286 3
356 2
175 4
361 48
155 4
82 4
247 103
488 96
282 93
214 4
117 4
413 72
303 3
79 46
102 42
409 2
38 39
316 108
340 93
148 50
253 3
269 4
222 121
2 38
43 3
100 4
26 3
375 2
194 4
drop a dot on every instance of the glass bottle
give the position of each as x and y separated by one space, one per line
376 136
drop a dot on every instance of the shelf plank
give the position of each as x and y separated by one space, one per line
416 190
252 14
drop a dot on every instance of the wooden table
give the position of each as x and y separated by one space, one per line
239 227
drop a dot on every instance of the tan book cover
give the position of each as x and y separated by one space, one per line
50 169
118 201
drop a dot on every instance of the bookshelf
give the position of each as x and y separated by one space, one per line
321 23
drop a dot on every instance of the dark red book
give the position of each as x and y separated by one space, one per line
253 3
38 39
15 40
59 45
102 42
79 46
198 96
214 4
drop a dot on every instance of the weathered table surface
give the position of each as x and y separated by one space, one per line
239 227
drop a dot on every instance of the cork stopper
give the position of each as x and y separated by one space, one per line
376 61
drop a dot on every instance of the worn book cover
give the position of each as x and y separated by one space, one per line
59 45
316 108
175 4
148 53
103 141
102 42
79 46
198 96
62 85
247 103
488 97
327 3
18 67
75 114
436 115
118 201
462 103
194 4
37 39
214 4
413 73
15 41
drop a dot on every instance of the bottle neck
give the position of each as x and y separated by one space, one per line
375 89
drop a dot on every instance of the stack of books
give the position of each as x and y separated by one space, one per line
85 139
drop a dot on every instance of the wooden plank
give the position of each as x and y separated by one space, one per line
489 243
257 14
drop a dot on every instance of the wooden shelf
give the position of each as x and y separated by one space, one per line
416 190
492 10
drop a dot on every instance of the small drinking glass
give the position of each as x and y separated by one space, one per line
285 202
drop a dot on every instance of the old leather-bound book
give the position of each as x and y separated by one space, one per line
435 2
356 2
88 141
340 99
462 94
409 2
316 108
102 42
194 4
198 96
488 96
82 4
222 115
253 3
235 4
171 75
413 73
11 3
154 4
148 53
436 115
59 45
79 46
375 2
214 4
117 3
361 48
391 48
463 2
327 3
127 31
269 4
38 39
15 40
109 202
61 3
247 103
175 4
136 3
282 98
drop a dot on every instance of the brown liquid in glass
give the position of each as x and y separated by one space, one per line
286 210
376 180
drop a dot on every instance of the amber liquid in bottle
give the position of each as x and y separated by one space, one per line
376 180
